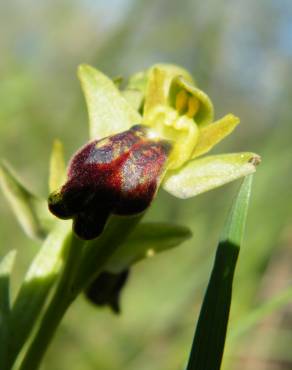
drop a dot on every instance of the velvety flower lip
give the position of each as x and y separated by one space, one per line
119 174
155 132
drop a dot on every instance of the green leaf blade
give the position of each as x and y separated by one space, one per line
258 314
6 266
208 344
34 292
30 211
145 241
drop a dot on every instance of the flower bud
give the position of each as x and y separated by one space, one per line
105 290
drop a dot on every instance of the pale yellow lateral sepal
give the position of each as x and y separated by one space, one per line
201 175
212 134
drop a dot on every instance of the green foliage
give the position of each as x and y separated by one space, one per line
258 314
69 264
30 211
40 100
6 266
33 294
208 344
146 240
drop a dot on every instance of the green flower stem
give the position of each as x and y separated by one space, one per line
60 301
98 251
41 277
83 264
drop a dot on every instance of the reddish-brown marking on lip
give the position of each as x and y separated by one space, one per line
118 175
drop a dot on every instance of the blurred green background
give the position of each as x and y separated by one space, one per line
240 52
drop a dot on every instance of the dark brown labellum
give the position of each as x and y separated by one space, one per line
118 174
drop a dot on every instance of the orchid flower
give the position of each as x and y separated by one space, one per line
152 134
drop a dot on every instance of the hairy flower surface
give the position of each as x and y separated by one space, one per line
119 174
151 133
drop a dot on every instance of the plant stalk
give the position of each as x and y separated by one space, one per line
83 265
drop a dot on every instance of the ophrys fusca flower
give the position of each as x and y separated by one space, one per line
150 134
119 175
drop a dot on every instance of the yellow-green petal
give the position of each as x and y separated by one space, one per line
212 134
172 70
109 112
205 113
156 92
201 175
180 131
159 81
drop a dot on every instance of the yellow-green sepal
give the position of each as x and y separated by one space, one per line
109 112
134 98
201 175
213 133
135 89
139 81
57 174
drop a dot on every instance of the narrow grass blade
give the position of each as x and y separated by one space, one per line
258 314
208 345
6 265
